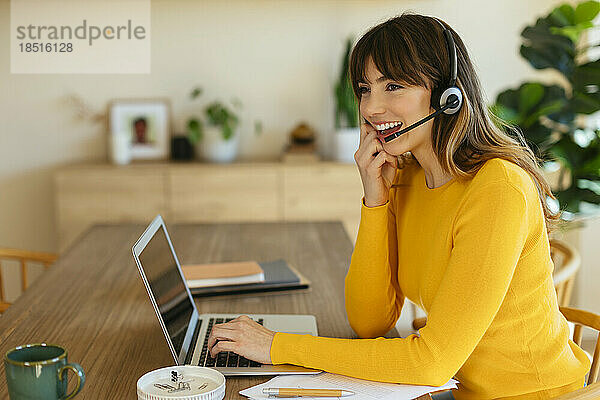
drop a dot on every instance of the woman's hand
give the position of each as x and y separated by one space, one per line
376 166
243 336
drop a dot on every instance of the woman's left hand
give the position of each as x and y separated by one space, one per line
243 336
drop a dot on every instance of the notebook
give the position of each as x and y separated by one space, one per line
222 274
363 389
279 275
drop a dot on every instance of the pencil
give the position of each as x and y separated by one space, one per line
296 392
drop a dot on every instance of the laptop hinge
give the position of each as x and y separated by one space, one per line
192 347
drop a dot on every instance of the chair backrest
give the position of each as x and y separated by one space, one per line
590 392
585 318
566 264
23 257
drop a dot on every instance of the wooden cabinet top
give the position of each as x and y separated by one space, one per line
194 165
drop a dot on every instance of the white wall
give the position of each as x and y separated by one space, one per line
279 57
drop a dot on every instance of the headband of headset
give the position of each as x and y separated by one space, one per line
450 93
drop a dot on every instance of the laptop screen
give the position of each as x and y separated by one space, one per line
167 286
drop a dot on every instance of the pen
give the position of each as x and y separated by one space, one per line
296 392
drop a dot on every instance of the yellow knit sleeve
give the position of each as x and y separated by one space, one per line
372 279
489 234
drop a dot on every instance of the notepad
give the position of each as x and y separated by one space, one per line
363 389
279 276
221 274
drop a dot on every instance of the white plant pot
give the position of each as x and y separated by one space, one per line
345 144
213 148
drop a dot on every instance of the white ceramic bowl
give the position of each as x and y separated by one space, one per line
182 382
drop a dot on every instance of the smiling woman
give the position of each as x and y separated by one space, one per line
454 218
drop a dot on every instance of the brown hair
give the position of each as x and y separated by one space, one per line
411 49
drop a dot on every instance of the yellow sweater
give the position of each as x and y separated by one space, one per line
474 254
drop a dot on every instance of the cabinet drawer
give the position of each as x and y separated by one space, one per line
85 197
321 192
240 192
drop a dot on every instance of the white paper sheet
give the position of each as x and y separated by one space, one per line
363 389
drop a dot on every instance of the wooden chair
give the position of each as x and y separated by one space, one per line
585 318
24 257
566 264
590 392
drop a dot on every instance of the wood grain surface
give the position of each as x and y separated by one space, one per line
94 193
94 304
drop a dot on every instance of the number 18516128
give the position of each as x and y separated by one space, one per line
46 47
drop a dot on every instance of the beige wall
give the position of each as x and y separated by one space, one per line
279 57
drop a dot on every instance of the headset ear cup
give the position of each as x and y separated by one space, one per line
444 97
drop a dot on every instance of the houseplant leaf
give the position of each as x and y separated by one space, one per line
572 32
586 75
197 91
567 151
525 105
563 15
346 108
194 130
542 58
544 49
587 11
530 94
583 103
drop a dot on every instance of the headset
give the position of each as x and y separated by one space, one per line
451 98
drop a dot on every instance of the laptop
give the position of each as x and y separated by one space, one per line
187 331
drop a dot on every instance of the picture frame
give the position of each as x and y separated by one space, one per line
147 122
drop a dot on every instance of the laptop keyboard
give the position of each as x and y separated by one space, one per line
223 359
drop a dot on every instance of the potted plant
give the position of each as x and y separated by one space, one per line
562 123
550 116
215 137
347 134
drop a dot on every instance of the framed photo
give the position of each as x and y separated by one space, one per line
147 122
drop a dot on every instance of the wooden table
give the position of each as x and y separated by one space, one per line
93 302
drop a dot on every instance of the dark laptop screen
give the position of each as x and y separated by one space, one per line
167 286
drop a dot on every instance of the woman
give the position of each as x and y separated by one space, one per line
459 227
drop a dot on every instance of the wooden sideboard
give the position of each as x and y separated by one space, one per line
87 194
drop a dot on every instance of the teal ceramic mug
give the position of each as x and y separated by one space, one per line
39 371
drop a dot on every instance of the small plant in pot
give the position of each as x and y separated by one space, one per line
215 136
347 134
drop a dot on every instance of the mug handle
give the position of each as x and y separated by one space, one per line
76 368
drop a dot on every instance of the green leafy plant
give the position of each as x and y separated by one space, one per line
346 107
547 114
215 114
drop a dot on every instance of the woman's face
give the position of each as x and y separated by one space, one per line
385 101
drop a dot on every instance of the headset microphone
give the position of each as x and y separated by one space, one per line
451 103
451 98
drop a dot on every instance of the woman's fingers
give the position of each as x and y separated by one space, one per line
365 129
244 337
222 332
390 159
376 167
367 150
378 161
384 165
363 133
224 345
389 169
